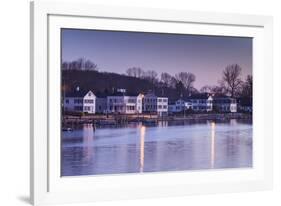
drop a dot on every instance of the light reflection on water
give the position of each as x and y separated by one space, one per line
162 147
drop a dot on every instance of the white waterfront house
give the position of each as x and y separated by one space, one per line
150 103
162 106
122 103
154 104
224 103
179 106
119 102
80 101
101 105
201 102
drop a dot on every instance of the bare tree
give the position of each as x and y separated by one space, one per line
231 79
218 90
187 79
206 89
73 65
64 65
213 89
135 72
151 76
79 64
247 87
166 79
173 82
88 65
180 89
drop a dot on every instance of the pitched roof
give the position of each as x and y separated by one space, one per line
198 96
124 94
150 94
76 93
185 99
101 95
221 96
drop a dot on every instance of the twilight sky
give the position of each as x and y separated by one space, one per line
204 56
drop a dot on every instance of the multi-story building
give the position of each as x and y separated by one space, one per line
122 103
162 106
222 103
101 104
179 106
149 103
154 104
80 101
201 102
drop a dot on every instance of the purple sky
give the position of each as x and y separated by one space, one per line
204 56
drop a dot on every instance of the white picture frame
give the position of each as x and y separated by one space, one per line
46 184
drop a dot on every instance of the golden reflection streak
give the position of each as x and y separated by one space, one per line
213 146
142 135
88 135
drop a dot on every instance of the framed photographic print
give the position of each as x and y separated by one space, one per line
137 103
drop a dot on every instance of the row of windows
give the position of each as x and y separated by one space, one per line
131 100
122 100
201 101
148 107
116 108
89 101
201 107
150 100
87 108
162 100
80 108
121 108
115 100
227 108
180 102
162 107
130 108
80 101
225 101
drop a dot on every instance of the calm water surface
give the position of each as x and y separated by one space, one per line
163 147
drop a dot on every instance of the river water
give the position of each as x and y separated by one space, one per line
166 146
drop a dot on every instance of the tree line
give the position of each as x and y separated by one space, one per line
182 83
79 64
230 84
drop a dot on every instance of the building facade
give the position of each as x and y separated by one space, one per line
162 106
80 101
225 104
101 105
155 105
124 104
149 103
179 106
201 102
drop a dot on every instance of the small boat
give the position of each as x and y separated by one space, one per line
149 121
67 129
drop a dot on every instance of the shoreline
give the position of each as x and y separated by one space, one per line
101 119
